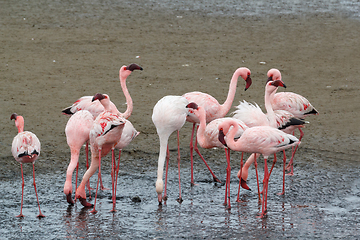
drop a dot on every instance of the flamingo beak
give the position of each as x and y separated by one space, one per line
222 137
244 185
160 198
248 82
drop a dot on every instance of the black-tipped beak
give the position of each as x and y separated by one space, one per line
248 82
13 116
222 137
98 96
133 67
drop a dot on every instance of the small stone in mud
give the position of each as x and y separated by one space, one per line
136 199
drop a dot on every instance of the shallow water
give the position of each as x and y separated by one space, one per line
316 203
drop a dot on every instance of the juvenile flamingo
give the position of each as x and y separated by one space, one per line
293 103
77 132
104 136
262 139
208 137
25 149
214 109
169 115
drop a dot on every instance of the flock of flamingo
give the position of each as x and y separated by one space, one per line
95 120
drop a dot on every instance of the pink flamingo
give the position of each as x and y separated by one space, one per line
95 107
208 137
25 149
252 115
293 103
262 139
214 109
169 115
127 135
104 135
77 132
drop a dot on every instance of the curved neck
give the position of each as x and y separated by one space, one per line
129 102
19 123
225 107
200 113
270 112
230 137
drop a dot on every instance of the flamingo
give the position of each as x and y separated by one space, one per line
208 137
95 107
169 115
293 103
25 149
77 132
214 109
265 140
252 115
104 136
127 135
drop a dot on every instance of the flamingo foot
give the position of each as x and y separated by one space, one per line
69 199
104 188
20 215
165 198
244 185
217 180
179 200
93 211
193 184
290 174
113 210
40 215
85 203
281 193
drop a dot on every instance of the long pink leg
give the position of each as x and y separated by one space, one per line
226 182
87 167
22 192
166 173
117 173
178 158
113 170
40 214
284 163
192 155
97 185
257 178
241 166
198 152
290 165
228 176
265 188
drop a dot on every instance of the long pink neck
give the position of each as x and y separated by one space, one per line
231 136
129 102
19 122
225 107
202 126
268 107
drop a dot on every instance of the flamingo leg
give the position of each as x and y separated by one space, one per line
87 166
228 176
166 173
202 158
113 170
40 214
117 173
284 163
178 158
265 189
192 155
97 185
257 178
22 192
290 165
241 166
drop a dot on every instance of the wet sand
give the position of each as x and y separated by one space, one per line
53 54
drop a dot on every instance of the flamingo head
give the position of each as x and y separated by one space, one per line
273 74
222 136
125 71
159 189
192 105
245 74
19 121
100 97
